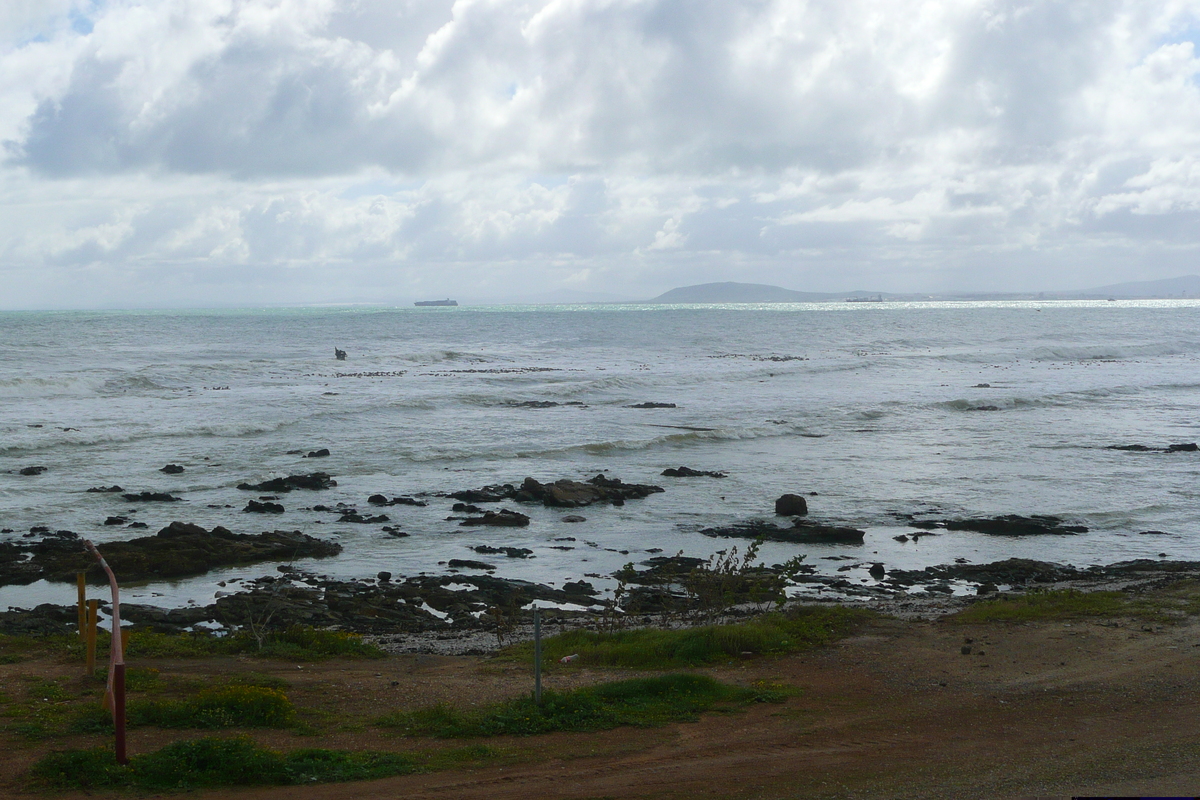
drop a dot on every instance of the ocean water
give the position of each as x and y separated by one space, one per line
878 408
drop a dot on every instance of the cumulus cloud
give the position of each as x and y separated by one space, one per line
406 146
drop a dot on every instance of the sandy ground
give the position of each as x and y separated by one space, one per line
1047 709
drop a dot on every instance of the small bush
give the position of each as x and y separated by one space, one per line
240 761
652 648
1048 604
298 643
220 707
640 702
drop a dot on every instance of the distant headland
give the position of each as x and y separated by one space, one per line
731 292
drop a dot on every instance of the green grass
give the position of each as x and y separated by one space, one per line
1040 604
298 643
652 648
642 702
240 761
219 707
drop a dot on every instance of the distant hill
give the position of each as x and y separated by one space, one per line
1170 287
730 292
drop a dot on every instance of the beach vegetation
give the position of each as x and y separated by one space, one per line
218 707
642 702
777 633
1043 604
238 761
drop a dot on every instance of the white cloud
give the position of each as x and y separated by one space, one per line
591 144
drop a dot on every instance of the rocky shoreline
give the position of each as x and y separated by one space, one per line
456 611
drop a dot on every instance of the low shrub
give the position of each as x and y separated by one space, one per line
219 707
642 702
653 648
1048 604
212 762
297 643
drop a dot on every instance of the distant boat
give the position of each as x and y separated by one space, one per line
446 302
876 299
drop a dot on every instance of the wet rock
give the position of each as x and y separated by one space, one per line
652 405
466 508
877 571
137 525
381 500
986 588
688 472
151 497
172 469
394 531
511 552
580 588
1013 525
573 518
503 517
263 508
984 408
488 494
32 470
803 531
116 520
322 453
176 551
462 563
1184 447
566 493
315 481
106 489
791 505
354 516
384 577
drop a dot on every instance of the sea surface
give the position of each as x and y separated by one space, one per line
880 409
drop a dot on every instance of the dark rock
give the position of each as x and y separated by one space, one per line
466 508
137 525
116 521
488 494
32 470
503 517
877 571
106 489
462 563
408 501
652 405
394 531
580 588
566 493
315 481
339 354
384 576
377 500
263 508
1190 447
354 516
322 453
172 469
688 472
151 497
511 552
901 538
791 505
573 518
1152 533
178 550
984 408
986 588
1014 525
1133 448
803 531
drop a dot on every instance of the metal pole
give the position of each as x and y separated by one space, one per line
93 608
537 655
116 659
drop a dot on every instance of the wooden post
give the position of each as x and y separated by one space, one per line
82 599
537 655
93 615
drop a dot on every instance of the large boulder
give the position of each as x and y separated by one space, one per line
791 505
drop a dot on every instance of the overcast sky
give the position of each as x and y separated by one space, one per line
214 152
